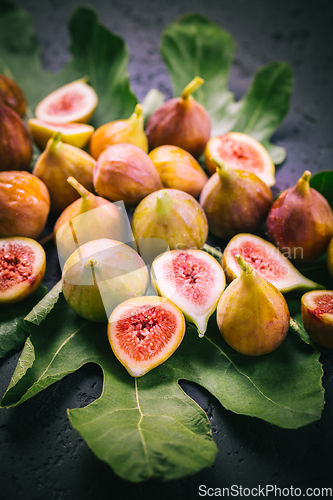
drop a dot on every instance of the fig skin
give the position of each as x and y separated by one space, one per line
173 216
24 204
88 218
15 141
301 221
329 258
178 169
22 268
252 315
58 162
125 172
234 201
100 275
130 131
12 95
76 134
181 121
318 320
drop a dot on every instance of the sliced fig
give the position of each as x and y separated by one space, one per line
191 279
101 274
22 268
252 315
74 102
12 95
76 134
242 152
144 332
267 260
317 316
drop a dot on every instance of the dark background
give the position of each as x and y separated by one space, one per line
41 457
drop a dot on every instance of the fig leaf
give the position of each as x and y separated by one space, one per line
193 45
96 53
153 410
323 183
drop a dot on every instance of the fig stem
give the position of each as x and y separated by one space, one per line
83 192
192 87
222 168
137 111
55 142
245 266
163 201
303 184
46 239
212 251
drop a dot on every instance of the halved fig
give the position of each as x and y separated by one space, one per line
242 152
144 332
317 316
266 259
76 134
74 102
191 279
22 268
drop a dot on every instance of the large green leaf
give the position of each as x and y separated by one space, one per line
96 53
323 182
194 46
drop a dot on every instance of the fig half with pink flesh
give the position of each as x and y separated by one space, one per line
267 260
193 280
317 316
76 134
144 332
22 268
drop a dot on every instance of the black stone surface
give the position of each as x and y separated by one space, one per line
41 456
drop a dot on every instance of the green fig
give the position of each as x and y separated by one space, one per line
252 314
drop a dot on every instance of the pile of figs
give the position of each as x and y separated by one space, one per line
177 184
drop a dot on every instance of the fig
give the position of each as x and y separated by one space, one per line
88 218
300 221
178 169
15 141
173 216
130 131
329 258
76 134
191 279
242 152
73 102
267 260
252 314
144 332
234 201
317 316
12 95
101 274
24 204
181 121
125 172
58 162
22 268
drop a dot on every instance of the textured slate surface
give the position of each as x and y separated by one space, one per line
41 457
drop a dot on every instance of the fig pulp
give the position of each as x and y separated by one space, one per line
15 141
191 279
178 169
24 204
300 221
317 316
58 162
101 274
242 152
266 259
144 332
173 216
88 218
180 121
234 201
76 134
130 131
22 268
12 95
125 172
252 315
74 102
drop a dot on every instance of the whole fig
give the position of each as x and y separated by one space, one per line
130 131
12 95
234 201
181 121
300 221
15 141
